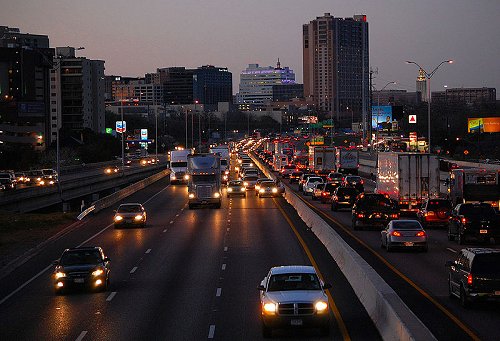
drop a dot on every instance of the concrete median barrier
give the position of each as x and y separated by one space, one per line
392 317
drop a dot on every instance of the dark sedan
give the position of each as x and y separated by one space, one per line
82 266
343 197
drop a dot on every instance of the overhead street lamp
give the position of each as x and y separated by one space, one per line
428 76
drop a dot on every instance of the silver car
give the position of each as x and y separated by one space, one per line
294 296
311 184
130 214
404 234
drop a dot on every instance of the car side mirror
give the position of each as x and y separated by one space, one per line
107 260
327 286
261 288
56 262
449 263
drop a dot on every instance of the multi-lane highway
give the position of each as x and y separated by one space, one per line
420 279
189 275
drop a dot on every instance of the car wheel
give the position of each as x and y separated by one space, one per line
59 292
450 289
450 236
325 330
388 246
227 196
355 226
464 300
244 195
266 331
191 206
461 238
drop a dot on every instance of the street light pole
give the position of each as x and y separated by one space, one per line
123 132
428 77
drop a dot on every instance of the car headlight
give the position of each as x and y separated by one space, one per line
186 177
118 218
138 217
229 189
97 272
257 187
216 195
42 182
242 189
321 306
275 190
226 172
191 195
225 177
245 183
51 182
59 274
270 308
172 177
108 170
261 190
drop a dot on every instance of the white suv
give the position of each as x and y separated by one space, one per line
311 184
294 296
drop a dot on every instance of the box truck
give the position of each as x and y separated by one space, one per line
321 159
346 160
408 178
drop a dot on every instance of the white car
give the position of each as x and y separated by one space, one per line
311 184
404 234
293 296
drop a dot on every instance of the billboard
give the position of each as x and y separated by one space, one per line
483 125
381 114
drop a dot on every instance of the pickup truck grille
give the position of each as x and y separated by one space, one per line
294 309
203 192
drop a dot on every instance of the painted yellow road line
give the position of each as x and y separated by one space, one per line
438 305
336 311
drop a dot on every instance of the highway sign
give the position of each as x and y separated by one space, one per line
412 118
121 128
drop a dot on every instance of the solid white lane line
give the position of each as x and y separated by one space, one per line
154 196
81 336
133 269
223 267
219 292
211 331
111 296
25 284
450 249
148 250
225 248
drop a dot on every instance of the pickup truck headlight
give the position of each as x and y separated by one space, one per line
191 195
242 189
261 190
321 306
186 177
245 183
275 190
269 308
229 189
216 195
173 177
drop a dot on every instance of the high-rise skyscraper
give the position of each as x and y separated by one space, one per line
422 84
336 66
212 85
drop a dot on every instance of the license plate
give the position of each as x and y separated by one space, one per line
347 197
377 215
296 322
483 231
79 280
408 243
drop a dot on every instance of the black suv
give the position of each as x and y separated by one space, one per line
478 221
373 209
475 275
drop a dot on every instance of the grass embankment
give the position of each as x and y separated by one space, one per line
20 232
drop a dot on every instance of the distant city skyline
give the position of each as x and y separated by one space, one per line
135 38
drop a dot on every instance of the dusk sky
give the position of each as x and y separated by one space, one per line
136 37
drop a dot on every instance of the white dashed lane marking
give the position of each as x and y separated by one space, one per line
211 331
133 269
164 230
81 336
225 248
148 250
223 267
111 296
219 292
450 249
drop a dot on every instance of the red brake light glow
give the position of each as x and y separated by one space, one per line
464 220
420 234
469 279
396 234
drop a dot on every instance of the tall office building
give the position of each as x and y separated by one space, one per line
25 62
336 66
256 83
77 93
212 85
177 85
422 84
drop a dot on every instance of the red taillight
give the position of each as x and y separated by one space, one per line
324 194
429 213
469 279
420 234
360 215
362 182
343 179
464 220
396 234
